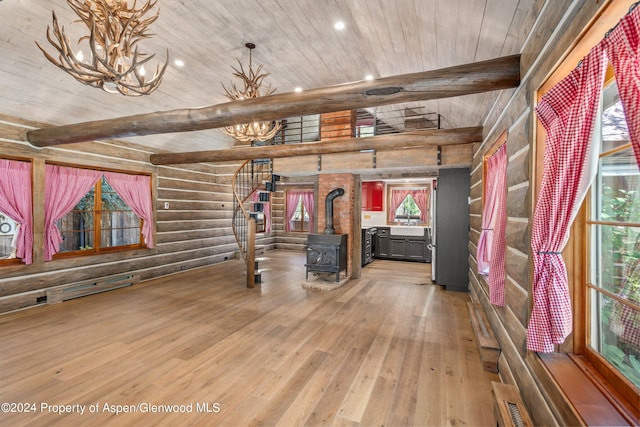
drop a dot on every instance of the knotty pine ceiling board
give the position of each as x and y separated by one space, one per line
295 41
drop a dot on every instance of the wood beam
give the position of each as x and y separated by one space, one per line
396 141
494 74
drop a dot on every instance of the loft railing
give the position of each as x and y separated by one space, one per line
363 123
251 176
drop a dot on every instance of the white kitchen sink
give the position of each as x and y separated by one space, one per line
400 230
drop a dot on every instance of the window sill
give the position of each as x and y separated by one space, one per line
593 400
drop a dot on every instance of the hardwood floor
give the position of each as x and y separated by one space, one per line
387 349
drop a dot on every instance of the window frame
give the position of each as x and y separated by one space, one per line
303 211
499 142
495 146
576 251
4 262
594 357
426 185
97 216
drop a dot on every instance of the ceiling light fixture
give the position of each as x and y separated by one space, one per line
251 88
112 60
339 25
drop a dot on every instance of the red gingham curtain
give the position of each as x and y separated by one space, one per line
397 196
135 190
491 246
622 46
309 206
421 197
64 187
15 201
293 197
489 215
568 112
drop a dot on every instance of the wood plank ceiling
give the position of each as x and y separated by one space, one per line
296 43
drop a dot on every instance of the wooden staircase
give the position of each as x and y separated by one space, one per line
252 185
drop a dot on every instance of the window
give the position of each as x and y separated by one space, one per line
8 234
300 219
409 204
16 231
491 250
101 220
363 131
601 256
613 245
408 210
299 211
89 211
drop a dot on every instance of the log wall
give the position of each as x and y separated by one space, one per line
194 231
558 24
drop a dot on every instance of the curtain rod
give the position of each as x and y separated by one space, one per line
633 6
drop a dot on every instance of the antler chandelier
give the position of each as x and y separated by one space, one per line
112 60
251 88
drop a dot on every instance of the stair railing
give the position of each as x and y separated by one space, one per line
249 177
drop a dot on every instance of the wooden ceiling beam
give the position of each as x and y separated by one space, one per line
438 137
494 74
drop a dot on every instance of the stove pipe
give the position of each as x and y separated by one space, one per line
328 204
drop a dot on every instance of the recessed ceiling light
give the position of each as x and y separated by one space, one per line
298 89
179 63
368 77
339 25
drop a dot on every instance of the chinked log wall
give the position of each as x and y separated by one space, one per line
194 231
559 24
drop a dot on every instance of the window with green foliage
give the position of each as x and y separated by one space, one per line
408 210
100 221
409 204
613 230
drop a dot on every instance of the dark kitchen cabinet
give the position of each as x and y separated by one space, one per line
367 246
408 248
372 195
403 248
416 249
382 245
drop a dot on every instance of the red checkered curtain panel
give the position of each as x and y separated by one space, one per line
497 253
622 46
568 112
397 197
489 212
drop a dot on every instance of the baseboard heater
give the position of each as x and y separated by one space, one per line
88 287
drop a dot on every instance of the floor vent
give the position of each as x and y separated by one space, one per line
516 417
508 406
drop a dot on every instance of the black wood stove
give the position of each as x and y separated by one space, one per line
327 253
